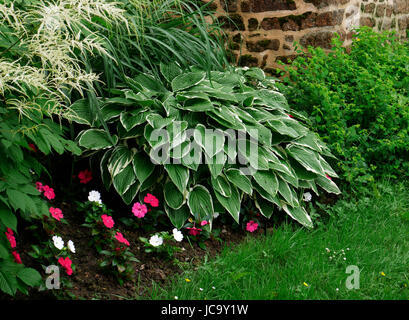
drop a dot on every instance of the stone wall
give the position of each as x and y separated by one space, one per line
267 29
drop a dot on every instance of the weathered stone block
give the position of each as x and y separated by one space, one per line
270 24
262 45
252 24
401 6
367 21
271 5
248 60
229 5
317 39
234 23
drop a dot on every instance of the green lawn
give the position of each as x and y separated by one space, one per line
293 263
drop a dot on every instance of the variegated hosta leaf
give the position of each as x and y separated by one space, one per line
240 180
299 214
121 157
232 203
95 139
200 203
179 175
172 195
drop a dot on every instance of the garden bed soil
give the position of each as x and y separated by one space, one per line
89 280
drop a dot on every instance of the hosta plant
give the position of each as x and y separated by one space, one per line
204 140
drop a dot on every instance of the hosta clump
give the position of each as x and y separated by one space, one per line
160 140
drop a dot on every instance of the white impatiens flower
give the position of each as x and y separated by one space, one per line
156 241
58 242
94 196
177 235
215 215
71 246
307 196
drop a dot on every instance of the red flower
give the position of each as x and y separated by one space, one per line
194 231
48 192
32 147
108 221
39 186
17 258
328 176
85 176
66 263
290 115
10 237
121 238
251 226
152 200
56 213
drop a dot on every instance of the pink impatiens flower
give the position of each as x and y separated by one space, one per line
328 176
39 186
66 263
85 176
152 200
251 226
48 192
56 213
17 258
203 223
108 221
121 238
194 231
139 210
10 237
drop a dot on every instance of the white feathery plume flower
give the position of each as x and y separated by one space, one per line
178 235
58 242
156 241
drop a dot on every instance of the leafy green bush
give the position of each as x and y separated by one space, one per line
358 102
288 156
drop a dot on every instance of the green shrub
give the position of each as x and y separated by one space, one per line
358 102
289 157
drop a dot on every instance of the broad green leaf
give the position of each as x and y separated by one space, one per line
299 214
327 184
200 203
307 158
30 277
96 139
105 175
221 185
267 180
266 207
240 180
121 157
287 192
8 218
143 166
124 179
80 112
179 175
179 216
232 203
8 283
131 119
170 70
172 196
131 193
187 80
